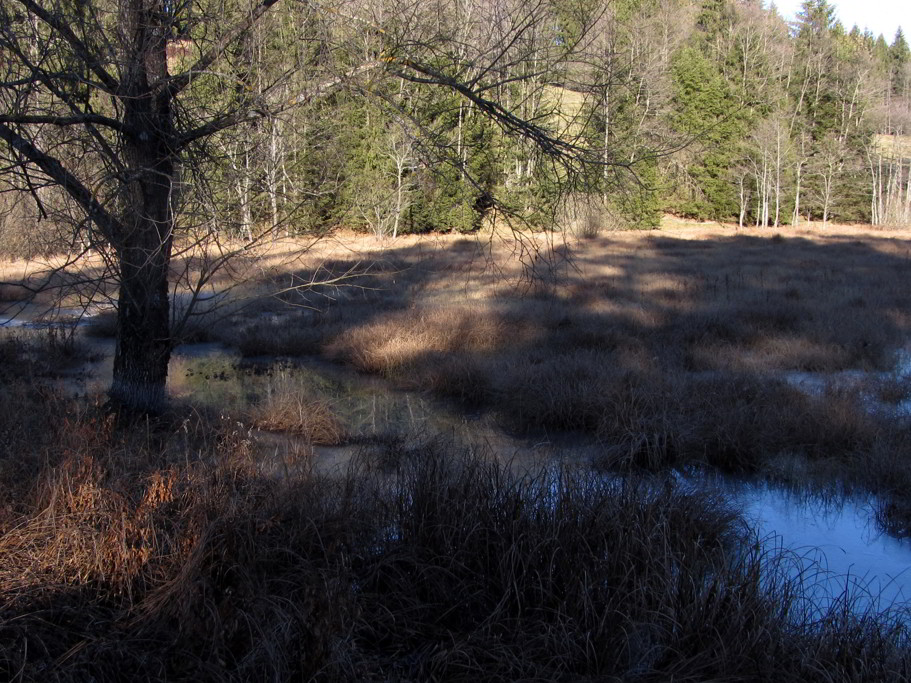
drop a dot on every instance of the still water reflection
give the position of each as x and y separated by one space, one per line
835 539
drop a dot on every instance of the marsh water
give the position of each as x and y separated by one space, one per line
832 539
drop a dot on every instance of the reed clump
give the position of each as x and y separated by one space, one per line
292 410
32 354
166 550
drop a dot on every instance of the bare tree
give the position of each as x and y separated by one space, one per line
827 165
91 106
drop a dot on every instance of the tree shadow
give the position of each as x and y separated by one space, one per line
732 350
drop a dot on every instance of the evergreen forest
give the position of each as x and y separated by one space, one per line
708 109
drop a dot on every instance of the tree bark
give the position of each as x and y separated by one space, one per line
143 333
144 245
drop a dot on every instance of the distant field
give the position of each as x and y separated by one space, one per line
569 102
895 145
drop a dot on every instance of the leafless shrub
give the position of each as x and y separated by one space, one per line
582 215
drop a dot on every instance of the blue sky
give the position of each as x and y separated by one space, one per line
880 16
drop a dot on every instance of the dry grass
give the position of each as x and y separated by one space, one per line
144 554
289 408
667 347
165 551
174 551
392 345
633 337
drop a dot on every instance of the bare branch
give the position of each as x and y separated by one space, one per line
253 113
180 81
63 28
549 143
80 119
110 226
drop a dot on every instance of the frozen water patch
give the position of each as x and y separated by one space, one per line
866 384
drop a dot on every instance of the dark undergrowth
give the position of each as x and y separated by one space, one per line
38 353
168 550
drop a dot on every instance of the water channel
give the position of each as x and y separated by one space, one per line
833 539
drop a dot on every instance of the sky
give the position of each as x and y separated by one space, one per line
880 16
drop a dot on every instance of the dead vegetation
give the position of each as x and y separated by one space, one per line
182 549
164 551
668 348
288 408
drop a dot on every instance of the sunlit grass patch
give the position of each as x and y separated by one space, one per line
290 407
395 342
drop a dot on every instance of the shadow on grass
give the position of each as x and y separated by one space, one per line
186 563
665 350
165 551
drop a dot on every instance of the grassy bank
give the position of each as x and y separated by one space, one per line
170 551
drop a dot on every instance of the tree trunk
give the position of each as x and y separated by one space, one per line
777 171
144 249
743 200
275 162
605 154
143 332
796 218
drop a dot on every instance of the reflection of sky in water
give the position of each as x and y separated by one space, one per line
840 534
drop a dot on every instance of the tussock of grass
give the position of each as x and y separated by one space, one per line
165 552
293 410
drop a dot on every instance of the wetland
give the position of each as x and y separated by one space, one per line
743 393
